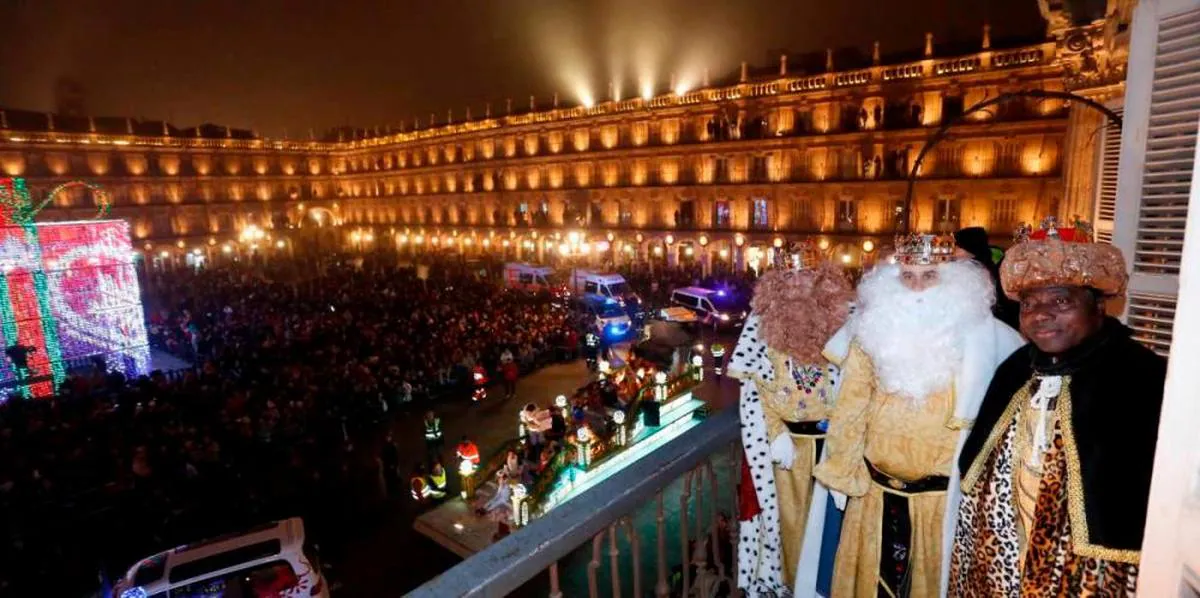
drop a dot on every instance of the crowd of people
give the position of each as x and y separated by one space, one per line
297 370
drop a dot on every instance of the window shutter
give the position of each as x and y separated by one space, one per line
1170 145
1162 108
1110 160
1150 318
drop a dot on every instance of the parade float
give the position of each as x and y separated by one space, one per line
625 413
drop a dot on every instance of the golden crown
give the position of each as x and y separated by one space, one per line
797 255
918 249
1079 232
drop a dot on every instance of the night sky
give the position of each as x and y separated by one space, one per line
273 65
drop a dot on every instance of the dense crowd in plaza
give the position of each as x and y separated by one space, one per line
298 369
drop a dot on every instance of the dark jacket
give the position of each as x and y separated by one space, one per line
1116 395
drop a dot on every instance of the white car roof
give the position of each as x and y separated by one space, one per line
605 277
698 291
528 267
289 532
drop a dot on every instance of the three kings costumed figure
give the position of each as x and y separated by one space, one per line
787 388
924 345
1056 472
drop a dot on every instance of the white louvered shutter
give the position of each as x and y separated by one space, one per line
1162 105
1106 184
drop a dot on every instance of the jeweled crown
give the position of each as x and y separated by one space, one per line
797 255
1079 232
924 249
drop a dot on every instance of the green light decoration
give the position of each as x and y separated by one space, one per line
17 207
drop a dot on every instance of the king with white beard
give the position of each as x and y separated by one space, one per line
924 348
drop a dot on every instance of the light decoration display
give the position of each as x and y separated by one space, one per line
660 386
622 432
520 505
583 437
466 472
68 292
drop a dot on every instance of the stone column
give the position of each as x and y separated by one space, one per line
1080 162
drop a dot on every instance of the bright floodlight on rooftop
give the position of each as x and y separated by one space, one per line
586 98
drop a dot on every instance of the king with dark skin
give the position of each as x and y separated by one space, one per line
1057 319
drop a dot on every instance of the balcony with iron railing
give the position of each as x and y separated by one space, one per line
648 528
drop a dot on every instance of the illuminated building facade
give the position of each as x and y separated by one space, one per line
706 174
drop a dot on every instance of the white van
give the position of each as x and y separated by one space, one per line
715 307
608 317
528 277
267 561
607 286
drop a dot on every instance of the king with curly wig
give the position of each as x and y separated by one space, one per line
787 391
800 310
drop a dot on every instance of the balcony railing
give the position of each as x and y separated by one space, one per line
663 510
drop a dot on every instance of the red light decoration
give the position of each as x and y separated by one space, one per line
68 292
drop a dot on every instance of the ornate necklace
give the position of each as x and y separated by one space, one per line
807 378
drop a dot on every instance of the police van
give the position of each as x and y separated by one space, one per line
266 561
607 317
718 308
607 286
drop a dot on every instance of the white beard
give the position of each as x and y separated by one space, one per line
914 339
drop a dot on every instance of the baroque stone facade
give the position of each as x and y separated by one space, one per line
707 172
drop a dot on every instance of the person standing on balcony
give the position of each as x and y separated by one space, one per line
923 348
1056 472
787 388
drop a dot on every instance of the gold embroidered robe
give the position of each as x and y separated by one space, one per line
905 439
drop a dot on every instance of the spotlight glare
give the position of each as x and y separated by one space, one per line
647 90
586 98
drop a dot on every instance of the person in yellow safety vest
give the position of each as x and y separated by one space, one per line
437 481
420 487
433 432
718 355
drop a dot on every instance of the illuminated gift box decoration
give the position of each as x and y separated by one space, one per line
69 291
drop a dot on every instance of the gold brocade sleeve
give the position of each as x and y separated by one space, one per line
844 469
771 412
